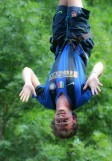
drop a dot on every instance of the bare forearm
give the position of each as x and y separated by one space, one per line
97 69
29 77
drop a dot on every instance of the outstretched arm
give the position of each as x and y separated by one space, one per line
93 81
31 82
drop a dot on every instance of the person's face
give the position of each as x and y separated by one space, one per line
64 119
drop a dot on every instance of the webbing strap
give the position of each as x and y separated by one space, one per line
67 25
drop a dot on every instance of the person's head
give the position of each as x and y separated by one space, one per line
64 124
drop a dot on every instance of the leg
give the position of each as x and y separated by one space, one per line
78 23
77 3
59 27
59 19
78 17
62 3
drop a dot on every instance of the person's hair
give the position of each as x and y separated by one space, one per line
65 133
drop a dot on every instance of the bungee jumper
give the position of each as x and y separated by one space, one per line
67 87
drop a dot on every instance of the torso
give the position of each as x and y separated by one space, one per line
67 76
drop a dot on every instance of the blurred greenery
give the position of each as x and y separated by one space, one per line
25 133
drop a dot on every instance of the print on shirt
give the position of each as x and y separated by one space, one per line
65 73
61 84
52 86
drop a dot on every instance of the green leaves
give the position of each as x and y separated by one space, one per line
25 133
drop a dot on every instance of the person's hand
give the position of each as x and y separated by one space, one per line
26 91
93 83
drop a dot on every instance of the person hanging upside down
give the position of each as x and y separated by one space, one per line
67 87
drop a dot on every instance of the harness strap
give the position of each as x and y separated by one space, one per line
67 25
75 38
80 38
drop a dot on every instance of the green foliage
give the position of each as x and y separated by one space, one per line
25 133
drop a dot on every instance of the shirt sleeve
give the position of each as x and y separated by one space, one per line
43 96
85 97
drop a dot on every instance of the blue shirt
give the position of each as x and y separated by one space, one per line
67 76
